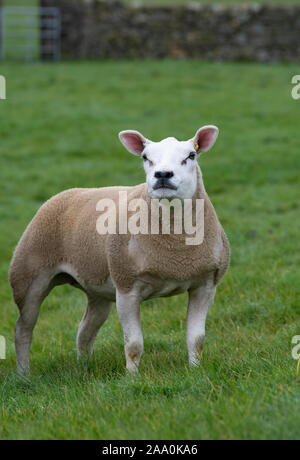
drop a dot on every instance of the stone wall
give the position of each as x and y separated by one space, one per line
110 29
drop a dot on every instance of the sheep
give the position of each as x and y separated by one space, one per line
61 245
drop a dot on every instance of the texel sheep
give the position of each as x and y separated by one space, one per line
63 245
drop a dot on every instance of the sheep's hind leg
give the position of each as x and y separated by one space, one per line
96 313
29 312
200 300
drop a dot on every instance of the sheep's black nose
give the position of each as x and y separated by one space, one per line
164 174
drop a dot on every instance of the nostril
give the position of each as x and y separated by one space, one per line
164 174
169 174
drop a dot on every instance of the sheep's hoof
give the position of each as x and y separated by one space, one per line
132 369
134 352
197 352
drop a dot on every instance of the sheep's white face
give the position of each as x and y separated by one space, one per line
170 168
170 165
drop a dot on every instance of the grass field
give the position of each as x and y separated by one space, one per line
58 130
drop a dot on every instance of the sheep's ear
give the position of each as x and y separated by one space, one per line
205 138
133 141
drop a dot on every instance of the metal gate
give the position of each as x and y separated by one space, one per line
30 33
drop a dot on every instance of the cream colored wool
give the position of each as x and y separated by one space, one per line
61 245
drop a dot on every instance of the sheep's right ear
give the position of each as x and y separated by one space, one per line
133 141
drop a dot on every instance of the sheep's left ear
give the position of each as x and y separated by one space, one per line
205 138
133 141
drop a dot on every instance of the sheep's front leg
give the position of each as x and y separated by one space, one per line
128 308
200 300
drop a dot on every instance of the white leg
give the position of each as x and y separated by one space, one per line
128 307
200 300
96 313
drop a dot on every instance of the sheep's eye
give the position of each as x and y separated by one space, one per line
145 158
191 156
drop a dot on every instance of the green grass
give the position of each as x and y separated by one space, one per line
58 130
21 2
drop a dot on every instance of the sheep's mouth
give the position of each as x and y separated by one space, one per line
162 184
